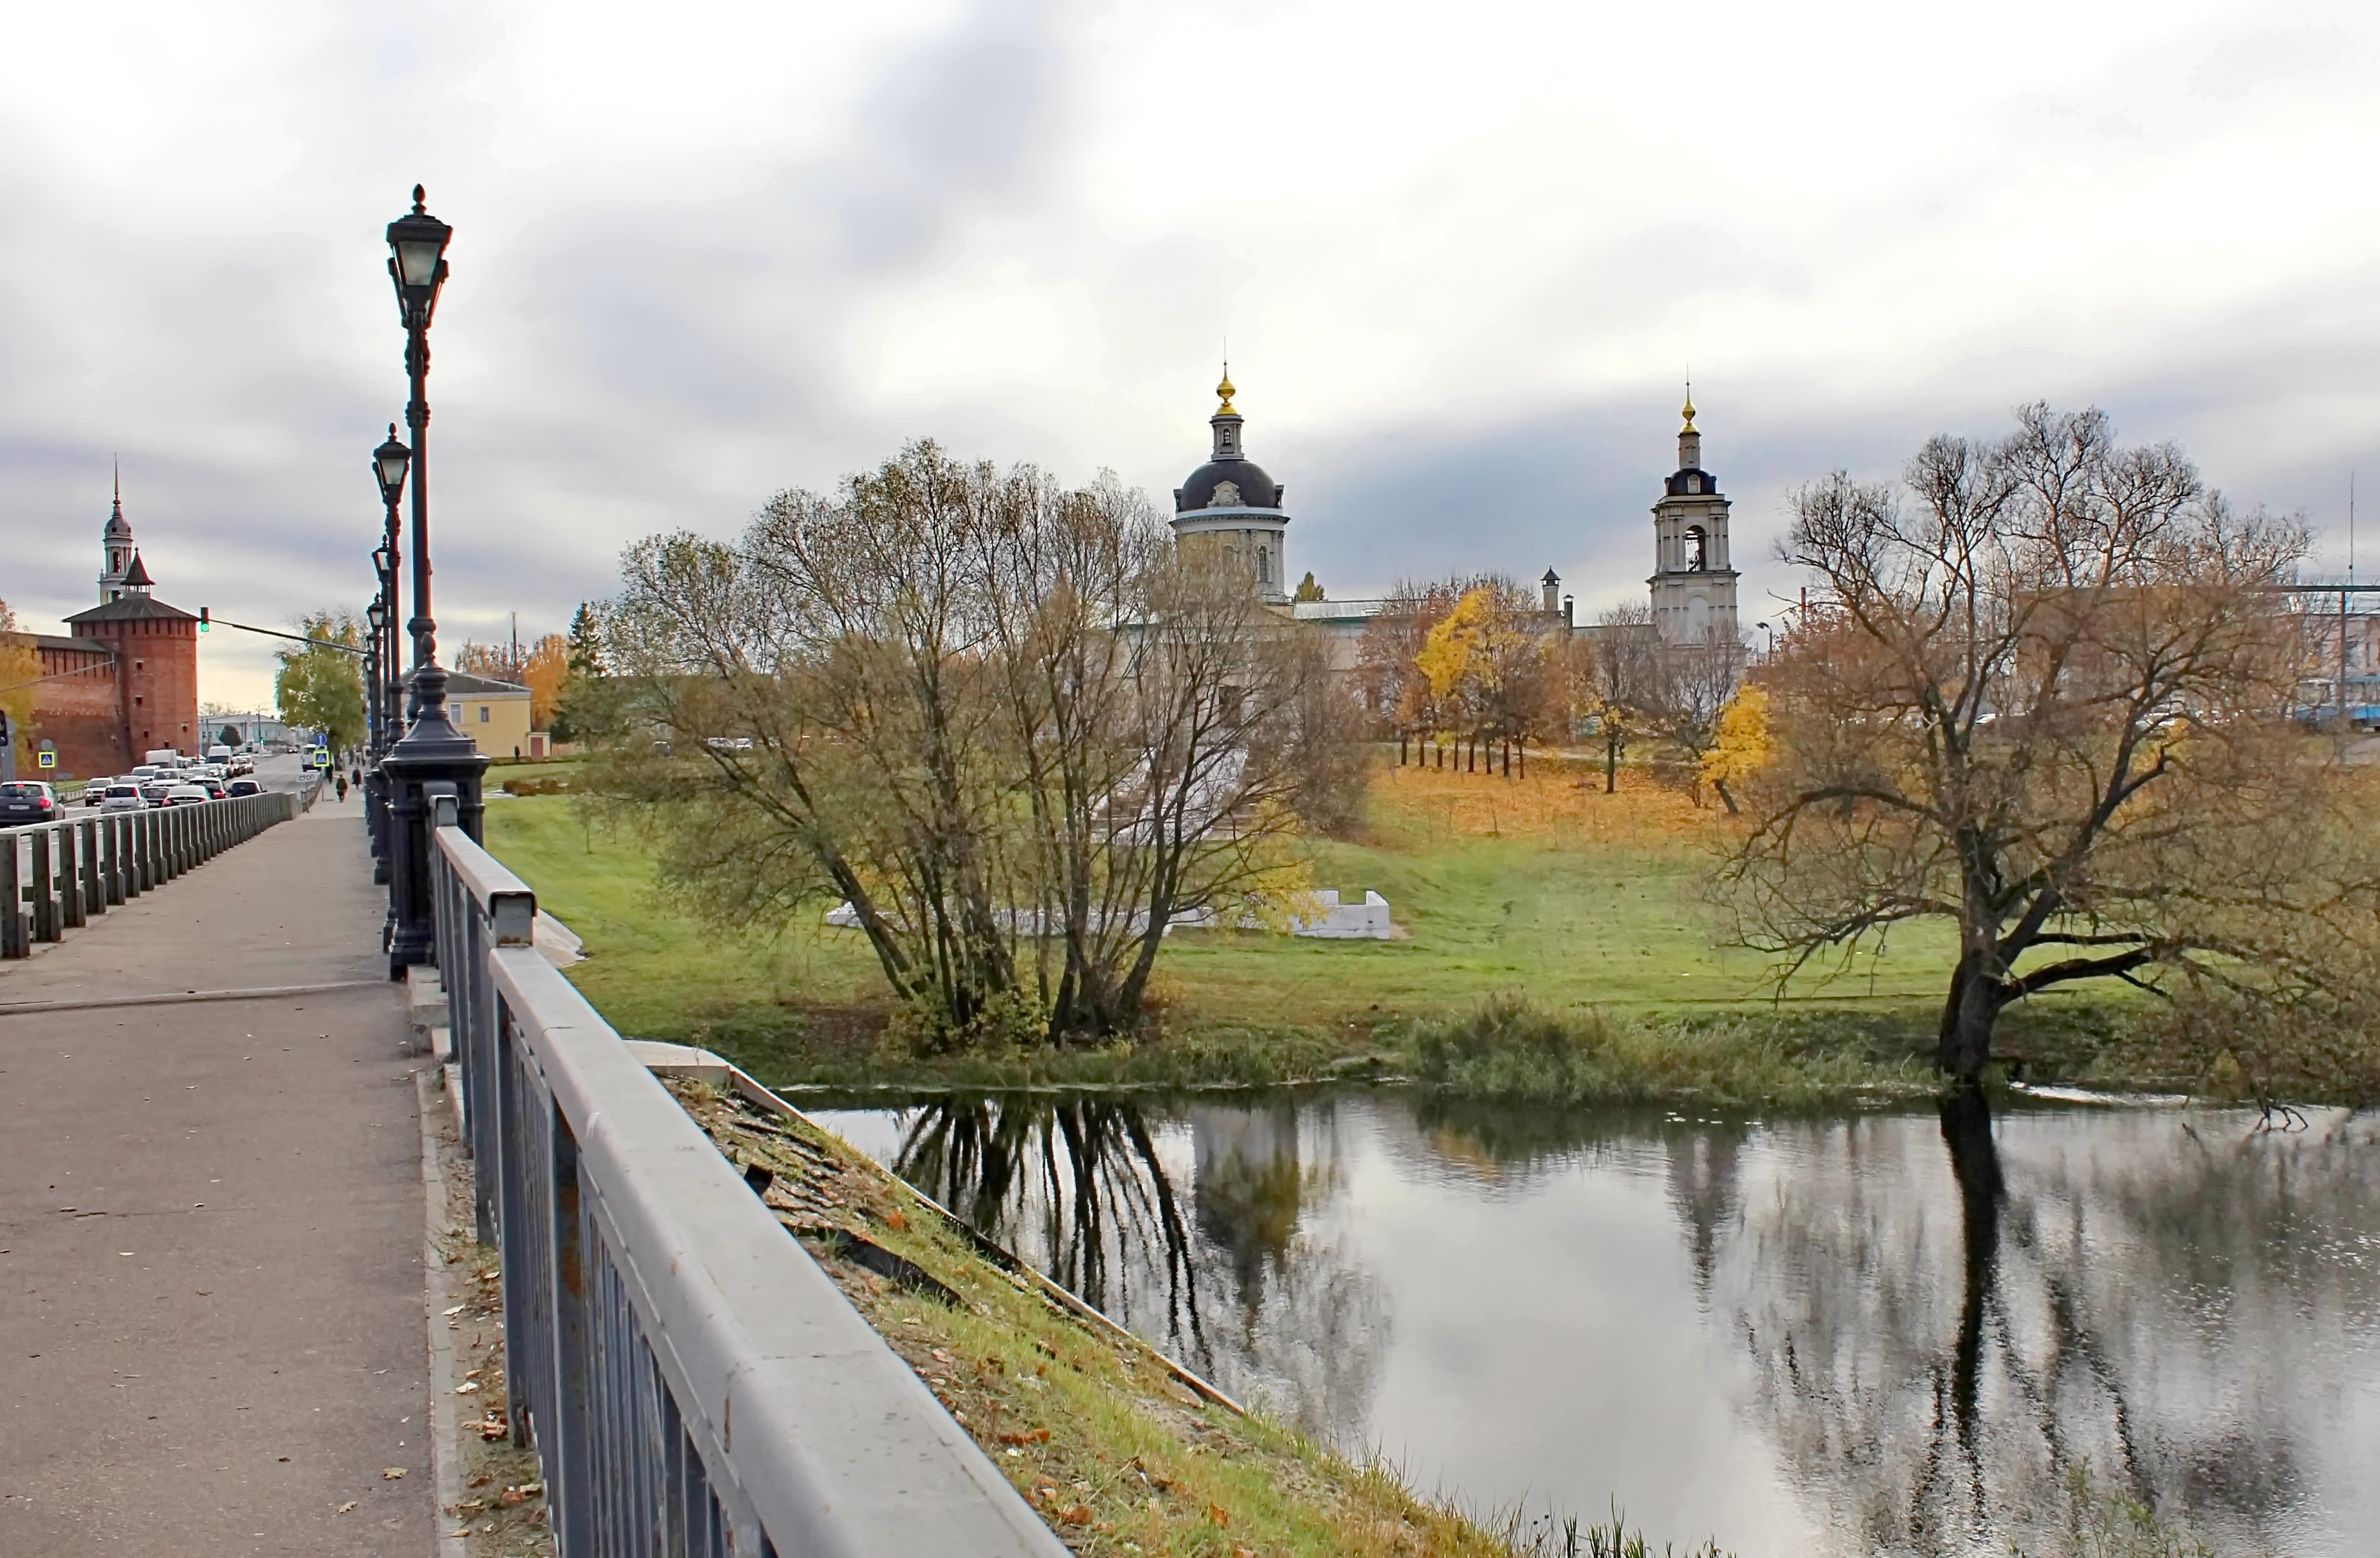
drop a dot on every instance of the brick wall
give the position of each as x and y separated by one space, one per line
162 680
80 712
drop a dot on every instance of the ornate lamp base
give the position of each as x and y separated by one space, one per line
434 762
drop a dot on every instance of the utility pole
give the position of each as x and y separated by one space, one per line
2343 597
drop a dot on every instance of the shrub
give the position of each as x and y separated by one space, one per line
1510 1048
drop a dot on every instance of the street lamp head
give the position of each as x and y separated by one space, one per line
417 264
388 464
376 613
384 559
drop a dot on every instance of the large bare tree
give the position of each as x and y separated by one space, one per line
2047 699
1005 722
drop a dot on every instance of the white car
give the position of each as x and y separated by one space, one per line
185 795
122 796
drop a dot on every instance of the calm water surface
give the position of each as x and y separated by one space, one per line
1881 1335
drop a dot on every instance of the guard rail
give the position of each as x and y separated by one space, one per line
55 876
690 1378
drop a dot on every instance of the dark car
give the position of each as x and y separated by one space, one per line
26 800
154 791
213 786
244 787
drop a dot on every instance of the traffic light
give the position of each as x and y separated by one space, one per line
203 623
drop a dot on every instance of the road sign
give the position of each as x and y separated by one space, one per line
47 759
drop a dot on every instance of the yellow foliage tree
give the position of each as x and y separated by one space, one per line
21 665
1739 744
544 670
1449 656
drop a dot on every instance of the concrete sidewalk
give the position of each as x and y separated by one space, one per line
211 1328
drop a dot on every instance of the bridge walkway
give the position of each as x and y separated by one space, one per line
212 1327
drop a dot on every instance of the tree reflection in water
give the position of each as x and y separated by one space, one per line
2134 1291
1245 1292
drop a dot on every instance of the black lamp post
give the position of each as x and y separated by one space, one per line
388 464
377 711
433 771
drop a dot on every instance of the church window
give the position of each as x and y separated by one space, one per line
1264 565
1695 544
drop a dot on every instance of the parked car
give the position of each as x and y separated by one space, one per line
26 800
185 795
244 787
122 796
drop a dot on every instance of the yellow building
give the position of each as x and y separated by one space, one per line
493 714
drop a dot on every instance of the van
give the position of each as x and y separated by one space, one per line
161 756
219 753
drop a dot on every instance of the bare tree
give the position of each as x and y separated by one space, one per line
1006 723
1692 684
1395 692
1624 680
2046 699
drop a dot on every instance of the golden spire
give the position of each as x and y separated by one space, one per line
1690 408
1225 390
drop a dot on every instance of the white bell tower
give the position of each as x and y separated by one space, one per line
1693 582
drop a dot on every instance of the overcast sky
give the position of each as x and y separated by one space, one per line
1463 257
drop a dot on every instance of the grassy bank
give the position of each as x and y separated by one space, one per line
1587 907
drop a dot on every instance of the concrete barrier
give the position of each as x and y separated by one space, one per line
57 876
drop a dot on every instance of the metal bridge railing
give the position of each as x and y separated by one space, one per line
55 876
692 1381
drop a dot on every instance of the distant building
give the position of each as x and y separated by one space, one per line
494 715
1233 503
256 727
126 680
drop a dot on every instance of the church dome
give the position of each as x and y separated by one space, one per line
1227 483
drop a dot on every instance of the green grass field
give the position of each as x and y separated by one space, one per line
1545 889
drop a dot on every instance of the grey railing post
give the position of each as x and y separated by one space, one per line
567 1441
111 857
92 847
17 890
66 867
47 925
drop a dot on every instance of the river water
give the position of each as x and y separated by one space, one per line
1883 1334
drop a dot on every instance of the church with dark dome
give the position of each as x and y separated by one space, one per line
1230 502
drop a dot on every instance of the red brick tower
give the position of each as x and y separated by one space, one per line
156 649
